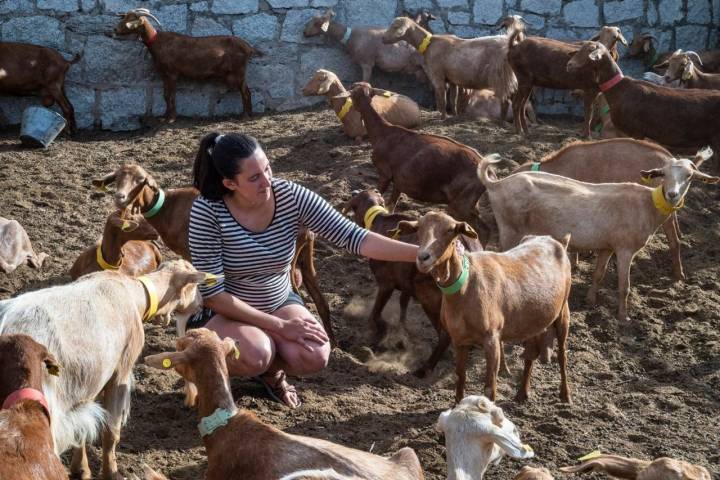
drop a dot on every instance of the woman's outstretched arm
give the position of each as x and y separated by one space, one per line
378 247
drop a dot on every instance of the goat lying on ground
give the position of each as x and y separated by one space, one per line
489 297
26 442
605 218
615 161
631 468
109 309
34 70
531 473
640 108
168 211
396 109
220 57
476 63
366 48
477 434
239 446
15 247
484 104
425 167
643 46
122 248
682 68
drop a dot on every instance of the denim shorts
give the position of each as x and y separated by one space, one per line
201 318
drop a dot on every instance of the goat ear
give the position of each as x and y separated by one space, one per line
407 226
462 228
646 44
621 39
596 54
595 38
230 348
344 94
104 182
126 225
150 181
166 360
703 177
655 172
662 64
325 25
51 365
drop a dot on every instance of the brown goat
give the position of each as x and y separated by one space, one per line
396 109
425 167
35 70
643 46
245 448
681 67
15 247
532 473
540 62
26 442
121 248
490 298
138 191
641 109
221 57
633 469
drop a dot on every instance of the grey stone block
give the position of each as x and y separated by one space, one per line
459 18
670 11
622 10
59 5
294 25
452 3
716 12
487 12
234 6
438 26
174 18
39 30
87 5
230 104
323 3
12 108
653 15
83 100
193 103
331 59
691 37
296 102
541 6
122 6
699 11
199 7
568 35
277 80
470 31
374 13
91 24
257 28
15 6
288 3
537 22
115 62
414 5
121 108
582 13
205 27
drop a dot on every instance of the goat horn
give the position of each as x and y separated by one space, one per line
146 12
691 53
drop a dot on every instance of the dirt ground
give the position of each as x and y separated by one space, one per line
647 388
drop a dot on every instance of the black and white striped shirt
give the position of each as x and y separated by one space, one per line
256 265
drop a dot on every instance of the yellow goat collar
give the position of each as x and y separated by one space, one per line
101 260
152 297
371 213
661 204
424 44
345 109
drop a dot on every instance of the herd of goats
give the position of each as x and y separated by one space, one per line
607 196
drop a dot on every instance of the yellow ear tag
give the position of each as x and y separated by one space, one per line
210 279
125 225
236 353
527 447
646 180
54 370
101 188
167 363
591 455
387 94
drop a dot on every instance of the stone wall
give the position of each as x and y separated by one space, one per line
114 85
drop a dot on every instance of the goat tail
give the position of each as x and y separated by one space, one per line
77 427
613 465
484 167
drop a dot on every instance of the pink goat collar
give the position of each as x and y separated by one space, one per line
604 87
26 394
151 40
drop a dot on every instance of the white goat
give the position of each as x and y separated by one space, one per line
15 247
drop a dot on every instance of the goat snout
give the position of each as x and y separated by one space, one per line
673 195
120 197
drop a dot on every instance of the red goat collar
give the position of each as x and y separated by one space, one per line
26 394
605 86
151 40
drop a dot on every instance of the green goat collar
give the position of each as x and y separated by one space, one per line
158 205
219 418
462 279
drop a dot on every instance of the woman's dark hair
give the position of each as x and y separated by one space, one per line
220 156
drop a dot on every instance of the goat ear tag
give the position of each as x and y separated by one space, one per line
236 353
590 456
101 188
167 363
54 370
211 279
325 25
387 94
125 226
527 448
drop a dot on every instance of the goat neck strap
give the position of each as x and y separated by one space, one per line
599 128
101 261
535 167
152 297
462 279
345 109
661 204
151 39
424 44
26 394
605 86
219 418
158 205
653 57
371 213
604 110
346 38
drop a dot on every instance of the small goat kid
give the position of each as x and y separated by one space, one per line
26 442
490 298
121 248
633 469
240 446
477 434
15 247
396 109
221 57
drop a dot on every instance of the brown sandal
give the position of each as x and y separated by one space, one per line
278 388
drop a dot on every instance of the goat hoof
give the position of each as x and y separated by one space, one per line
565 398
521 397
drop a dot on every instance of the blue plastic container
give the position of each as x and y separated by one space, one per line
40 126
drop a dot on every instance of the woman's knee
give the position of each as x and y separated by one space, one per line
303 362
255 357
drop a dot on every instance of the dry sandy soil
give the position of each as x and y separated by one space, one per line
647 388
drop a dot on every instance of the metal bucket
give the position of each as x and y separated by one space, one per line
40 126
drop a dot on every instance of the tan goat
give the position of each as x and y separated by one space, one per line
605 218
240 446
532 473
490 297
121 248
631 468
15 247
394 108
484 104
